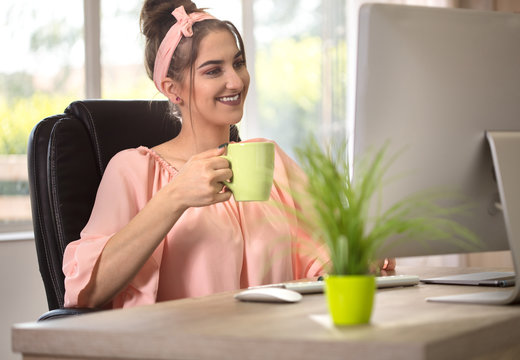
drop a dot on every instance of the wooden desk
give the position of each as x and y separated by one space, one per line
404 326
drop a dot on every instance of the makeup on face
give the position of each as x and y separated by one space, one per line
221 80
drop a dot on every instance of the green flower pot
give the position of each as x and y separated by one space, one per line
350 298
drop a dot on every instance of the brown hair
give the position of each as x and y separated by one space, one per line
156 19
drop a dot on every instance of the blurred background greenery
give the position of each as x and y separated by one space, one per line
296 52
288 64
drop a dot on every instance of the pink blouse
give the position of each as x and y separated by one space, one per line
225 246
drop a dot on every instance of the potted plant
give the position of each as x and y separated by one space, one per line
352 234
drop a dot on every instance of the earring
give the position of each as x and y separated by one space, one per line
177 98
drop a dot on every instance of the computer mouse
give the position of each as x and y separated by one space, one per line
269 294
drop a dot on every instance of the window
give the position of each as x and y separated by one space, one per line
296 51
41 71
300 70
122 55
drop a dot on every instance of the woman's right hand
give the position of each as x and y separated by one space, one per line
201 180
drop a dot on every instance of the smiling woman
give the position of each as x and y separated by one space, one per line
165 212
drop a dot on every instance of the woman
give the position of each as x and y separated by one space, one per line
163 225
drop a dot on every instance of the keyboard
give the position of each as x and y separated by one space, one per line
316 286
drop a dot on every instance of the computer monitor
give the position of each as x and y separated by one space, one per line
432 81
442 87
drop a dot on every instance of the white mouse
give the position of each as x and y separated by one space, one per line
269 294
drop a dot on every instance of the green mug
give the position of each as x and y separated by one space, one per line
252 164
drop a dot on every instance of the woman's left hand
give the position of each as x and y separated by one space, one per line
387 264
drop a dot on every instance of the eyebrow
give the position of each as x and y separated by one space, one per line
219 62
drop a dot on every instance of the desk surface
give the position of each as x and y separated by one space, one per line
403 326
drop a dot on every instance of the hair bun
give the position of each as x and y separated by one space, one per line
156 16
155 20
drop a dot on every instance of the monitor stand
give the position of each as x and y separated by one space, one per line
505 152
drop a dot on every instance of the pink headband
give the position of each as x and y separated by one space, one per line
172 38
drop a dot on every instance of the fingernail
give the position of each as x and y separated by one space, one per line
223 145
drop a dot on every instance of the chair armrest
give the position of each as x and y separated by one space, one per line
64 312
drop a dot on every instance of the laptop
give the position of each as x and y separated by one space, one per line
406 69
490 278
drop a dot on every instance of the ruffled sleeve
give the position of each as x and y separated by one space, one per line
309 256
128 183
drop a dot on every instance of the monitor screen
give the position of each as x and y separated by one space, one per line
431 82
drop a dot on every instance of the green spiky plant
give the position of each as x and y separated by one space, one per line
341 217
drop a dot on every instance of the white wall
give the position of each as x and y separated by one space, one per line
22 296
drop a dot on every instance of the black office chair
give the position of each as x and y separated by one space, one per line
67 155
